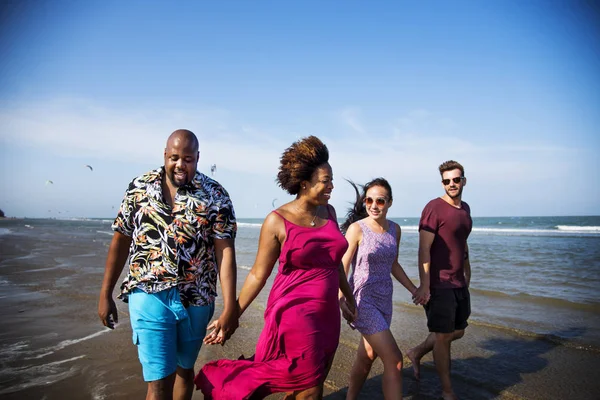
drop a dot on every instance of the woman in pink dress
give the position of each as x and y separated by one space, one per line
302 318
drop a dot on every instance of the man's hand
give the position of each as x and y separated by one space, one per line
117 255
421 295
222 328
107 311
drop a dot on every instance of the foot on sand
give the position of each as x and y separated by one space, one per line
416 363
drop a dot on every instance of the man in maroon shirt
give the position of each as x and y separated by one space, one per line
444 272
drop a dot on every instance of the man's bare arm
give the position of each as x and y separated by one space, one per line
227 322
425 242
117 256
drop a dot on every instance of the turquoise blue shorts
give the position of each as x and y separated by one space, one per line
166 333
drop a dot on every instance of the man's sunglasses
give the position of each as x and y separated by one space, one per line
380 201
446 182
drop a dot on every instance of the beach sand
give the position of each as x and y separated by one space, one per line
53 346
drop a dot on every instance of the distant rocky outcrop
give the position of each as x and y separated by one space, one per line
1 214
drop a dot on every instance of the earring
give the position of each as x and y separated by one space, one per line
304 187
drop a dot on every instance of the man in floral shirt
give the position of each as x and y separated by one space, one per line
176 229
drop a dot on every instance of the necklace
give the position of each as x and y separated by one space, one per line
312 222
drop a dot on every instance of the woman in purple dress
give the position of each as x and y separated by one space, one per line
302 318
373 251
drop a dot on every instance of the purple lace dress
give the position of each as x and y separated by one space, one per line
371 280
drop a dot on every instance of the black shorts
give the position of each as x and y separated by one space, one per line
448 310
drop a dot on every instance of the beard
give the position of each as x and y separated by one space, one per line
176 181
455 195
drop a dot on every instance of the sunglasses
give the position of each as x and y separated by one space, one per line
380 201
446 182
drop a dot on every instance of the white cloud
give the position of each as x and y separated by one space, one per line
350 117
411 147
66 126
406 152
409 152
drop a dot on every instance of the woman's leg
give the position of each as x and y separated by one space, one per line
365 355
384 344
313 393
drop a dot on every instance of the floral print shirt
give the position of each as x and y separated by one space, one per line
175 246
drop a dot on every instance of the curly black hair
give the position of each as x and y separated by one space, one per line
299 161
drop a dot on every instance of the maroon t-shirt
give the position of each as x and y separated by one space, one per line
451 227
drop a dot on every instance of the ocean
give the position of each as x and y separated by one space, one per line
532 275
532 278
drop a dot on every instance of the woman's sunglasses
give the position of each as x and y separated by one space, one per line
380 201
446 182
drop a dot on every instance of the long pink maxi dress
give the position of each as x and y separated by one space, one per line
302 322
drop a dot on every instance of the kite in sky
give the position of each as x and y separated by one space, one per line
89 166
273 203
213 169
49 182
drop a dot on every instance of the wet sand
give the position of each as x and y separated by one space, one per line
53 346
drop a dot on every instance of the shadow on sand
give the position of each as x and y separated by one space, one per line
481 377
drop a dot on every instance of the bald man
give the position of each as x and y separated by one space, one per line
176 227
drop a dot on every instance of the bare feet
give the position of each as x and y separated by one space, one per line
416 363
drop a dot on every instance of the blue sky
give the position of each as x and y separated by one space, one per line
510 90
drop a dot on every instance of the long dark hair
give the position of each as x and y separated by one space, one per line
358 209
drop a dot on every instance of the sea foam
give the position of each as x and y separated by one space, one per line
573 228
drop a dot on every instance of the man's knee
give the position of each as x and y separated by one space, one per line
161 388
458 334
444 337
185 373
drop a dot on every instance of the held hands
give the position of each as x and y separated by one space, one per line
107 311
222 328
349 311
421 295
